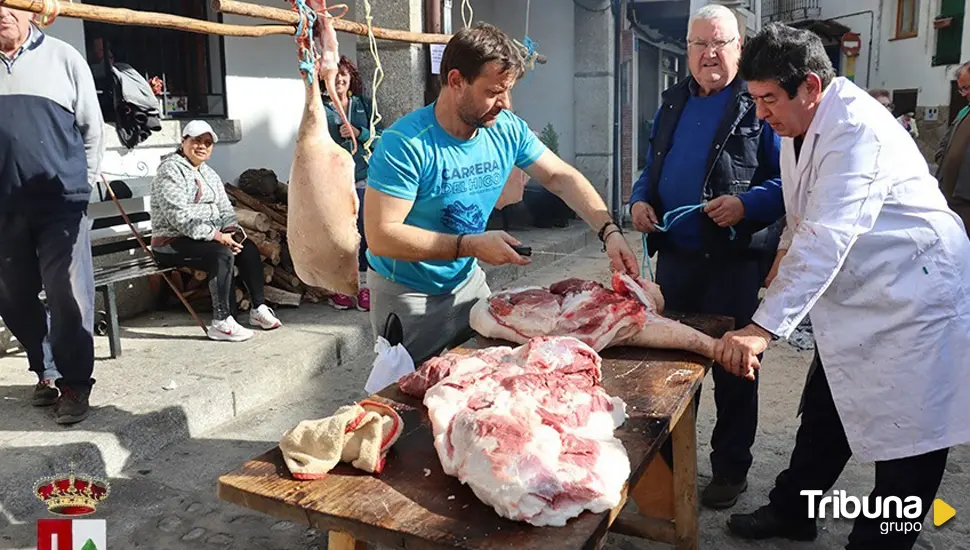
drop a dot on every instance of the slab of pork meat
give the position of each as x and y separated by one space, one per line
587 310
530 430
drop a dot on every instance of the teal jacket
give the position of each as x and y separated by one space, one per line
358 114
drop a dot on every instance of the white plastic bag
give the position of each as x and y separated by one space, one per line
392 363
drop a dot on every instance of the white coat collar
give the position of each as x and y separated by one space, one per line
814 127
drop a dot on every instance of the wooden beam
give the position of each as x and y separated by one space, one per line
632 524
122 16
289 16
236 7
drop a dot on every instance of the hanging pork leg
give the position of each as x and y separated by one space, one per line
322 214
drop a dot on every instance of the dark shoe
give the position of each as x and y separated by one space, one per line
723 493
72 406
45 394
764 523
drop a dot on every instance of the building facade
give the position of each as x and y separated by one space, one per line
909 47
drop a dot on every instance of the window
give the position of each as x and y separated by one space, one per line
190 65
906 18
949 32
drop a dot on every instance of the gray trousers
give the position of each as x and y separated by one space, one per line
431 322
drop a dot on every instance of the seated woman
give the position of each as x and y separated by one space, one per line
193 224
357 108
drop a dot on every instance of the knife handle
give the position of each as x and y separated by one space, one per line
523 250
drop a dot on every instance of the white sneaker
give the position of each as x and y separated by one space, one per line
229 330
264 318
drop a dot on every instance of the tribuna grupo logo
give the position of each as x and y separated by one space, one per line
902 515
73 494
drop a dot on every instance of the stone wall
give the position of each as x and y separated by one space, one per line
931 132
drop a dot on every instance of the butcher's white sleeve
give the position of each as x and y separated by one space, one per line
846 197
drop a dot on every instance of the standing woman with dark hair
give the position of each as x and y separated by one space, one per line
358 110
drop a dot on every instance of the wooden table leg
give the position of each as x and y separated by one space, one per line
343 541
684 440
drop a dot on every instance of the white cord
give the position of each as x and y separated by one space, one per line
375 117
466 4
527 4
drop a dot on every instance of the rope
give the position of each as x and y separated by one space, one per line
306 53
669 219
49 12
375 116
467 5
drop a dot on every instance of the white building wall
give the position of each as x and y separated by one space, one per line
266 94
546 95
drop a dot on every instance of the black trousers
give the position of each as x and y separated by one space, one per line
820 454
728 286
50 252
217 261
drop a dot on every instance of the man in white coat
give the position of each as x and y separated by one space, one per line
884 267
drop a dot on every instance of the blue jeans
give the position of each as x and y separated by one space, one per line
50 251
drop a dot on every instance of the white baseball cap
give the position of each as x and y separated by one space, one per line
198 127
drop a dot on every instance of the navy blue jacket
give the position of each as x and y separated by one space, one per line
743 160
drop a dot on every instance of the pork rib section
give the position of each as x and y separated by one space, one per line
529 429
588 311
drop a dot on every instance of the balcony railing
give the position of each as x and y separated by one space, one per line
790 11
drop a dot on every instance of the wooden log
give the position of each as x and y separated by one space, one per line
286 284
268 273
289 16
240 295
281 297
253 203
244 304
269 249
290 279
122 16
252 220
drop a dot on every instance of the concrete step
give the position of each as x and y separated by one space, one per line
172 383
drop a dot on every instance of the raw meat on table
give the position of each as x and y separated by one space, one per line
529 430
590 312
322 218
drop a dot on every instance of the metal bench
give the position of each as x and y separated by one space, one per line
110 234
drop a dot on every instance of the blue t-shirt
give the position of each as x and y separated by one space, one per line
454 185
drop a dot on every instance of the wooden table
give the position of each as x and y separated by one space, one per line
413 505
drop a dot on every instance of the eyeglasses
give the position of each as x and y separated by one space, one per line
702 45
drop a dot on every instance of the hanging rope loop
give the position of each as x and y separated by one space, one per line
669 219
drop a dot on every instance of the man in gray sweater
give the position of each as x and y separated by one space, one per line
51 145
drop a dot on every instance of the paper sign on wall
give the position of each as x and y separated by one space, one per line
436 52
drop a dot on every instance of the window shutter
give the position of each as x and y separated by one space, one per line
950 37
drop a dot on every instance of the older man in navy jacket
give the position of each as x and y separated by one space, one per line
708 146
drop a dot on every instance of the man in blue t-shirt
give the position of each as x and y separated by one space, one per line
435 176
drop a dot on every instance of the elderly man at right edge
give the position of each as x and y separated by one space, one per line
883 266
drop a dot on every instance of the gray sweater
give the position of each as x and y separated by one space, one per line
188 201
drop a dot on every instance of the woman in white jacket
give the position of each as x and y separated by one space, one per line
883 265
193 225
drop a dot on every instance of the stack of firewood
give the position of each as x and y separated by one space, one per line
260 204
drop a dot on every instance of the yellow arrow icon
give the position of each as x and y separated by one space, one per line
942 512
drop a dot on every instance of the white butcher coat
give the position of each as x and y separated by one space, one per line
884 267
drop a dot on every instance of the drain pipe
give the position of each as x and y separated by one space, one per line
617 202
